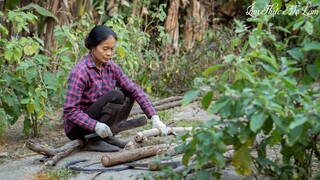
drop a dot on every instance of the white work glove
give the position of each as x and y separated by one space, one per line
156 123
102 130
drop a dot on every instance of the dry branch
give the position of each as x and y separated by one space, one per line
132 155
55 154
143 135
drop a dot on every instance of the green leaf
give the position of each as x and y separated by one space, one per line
189 96
241 160
65 59
202 174
121 52
246 75
298 24
294 135
314 45
290 82
31 76
269 60
257 120
261 4
25 101
317 64
30 107
206 100
221 103
277 3
313 71
282 29
27 125
275 138
41 10
296 53
51 80
212 69
8 54
253 41
308 27
10 4
298 120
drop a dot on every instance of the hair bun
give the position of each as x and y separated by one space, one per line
87 42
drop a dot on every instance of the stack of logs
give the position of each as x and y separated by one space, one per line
133 151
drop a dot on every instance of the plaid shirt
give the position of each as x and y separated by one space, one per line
86 84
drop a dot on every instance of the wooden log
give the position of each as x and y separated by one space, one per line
167 100
161 107
143 135
132 155
161 102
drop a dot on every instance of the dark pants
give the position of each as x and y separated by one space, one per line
95 111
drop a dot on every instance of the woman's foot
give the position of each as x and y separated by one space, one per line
115 141
100 146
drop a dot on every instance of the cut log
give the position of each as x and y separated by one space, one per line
143 135
132 155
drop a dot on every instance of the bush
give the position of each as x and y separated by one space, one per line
265 90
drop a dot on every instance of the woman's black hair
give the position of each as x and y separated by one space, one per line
97 35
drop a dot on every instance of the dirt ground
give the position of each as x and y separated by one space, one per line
18 162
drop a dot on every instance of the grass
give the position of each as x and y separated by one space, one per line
61 174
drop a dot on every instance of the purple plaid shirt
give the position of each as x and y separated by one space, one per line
86 84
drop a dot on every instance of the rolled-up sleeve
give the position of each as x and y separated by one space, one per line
125 83
73 114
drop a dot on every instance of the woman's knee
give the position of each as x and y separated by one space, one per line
117 96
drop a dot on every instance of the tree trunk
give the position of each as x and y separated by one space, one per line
49 27
195 25
172 27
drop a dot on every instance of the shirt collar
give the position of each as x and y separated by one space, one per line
90 62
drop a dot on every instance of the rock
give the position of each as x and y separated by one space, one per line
4 154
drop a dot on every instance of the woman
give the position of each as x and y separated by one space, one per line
93 103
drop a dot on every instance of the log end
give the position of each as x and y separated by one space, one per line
139 137
105 160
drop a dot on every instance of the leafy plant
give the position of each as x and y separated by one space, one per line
263 90
24 74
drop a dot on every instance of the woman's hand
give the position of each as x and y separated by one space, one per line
156 123
103 130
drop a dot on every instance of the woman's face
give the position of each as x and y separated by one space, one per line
104 51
